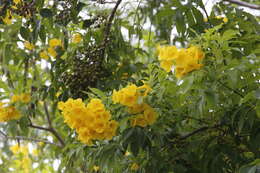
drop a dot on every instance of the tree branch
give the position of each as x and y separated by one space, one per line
29 139
231 89
51 129
39 127
244 4
109 23
198 131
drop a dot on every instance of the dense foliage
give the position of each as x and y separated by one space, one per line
129 86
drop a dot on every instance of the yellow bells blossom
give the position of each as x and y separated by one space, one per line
183 60
44 55
8 18
144 90
166 56
77 38
24 150
91 121
138 120
15 98
15 148
167 53
58 94
26 164
40 144
25 98
96 168
134 167
16 1
127 153
187 61
128 96
150 115
224 19
166 65
35 152
8 113
137 108
55 42
28 45
52 52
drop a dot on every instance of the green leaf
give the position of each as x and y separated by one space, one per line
229 34
25 33
180 22
45 12
98 92
186 85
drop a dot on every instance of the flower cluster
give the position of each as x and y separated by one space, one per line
92 122
183 60
53 44
23 161
8 113
128 96
77 38
28 45
144 115
24 98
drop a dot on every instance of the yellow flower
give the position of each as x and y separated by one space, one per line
15 149
8 18
127 96
24 150
58 94
166 65
91 121
40 144
8 113
52 52
35 152
76 38
127 153
167 53
44 55
138 120
16 1
225 19
134 167
145 89
15 98
150 115
55 42
137 108
96 168
28 45
25 97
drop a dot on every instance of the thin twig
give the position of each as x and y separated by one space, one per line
47 114
231 89
51 129
30 139
39 127
198 131
244 4
3 133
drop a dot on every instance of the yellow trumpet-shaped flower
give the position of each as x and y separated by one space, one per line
55 42
77 38
28 45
